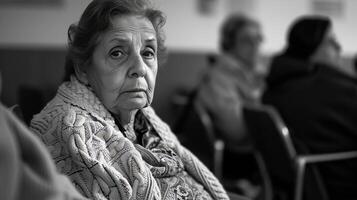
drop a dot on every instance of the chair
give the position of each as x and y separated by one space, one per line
217 144
219 148
196 117
272 139
197 124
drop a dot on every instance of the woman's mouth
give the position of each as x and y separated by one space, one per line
135 90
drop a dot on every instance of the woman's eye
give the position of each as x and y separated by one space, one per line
116 54
149 54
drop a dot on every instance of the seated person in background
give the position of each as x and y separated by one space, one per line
317 101
100 127
235 77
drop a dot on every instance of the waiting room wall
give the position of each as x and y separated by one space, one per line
25 72
33 40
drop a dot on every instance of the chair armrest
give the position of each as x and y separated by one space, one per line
233 196
301 162
327 157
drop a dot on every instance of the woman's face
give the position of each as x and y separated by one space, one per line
124 64
329 51
247 44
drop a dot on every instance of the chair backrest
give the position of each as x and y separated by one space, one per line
271 138
206 121
194 128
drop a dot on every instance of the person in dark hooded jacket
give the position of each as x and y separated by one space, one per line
317 101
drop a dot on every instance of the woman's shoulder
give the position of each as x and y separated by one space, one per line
73 100
55 114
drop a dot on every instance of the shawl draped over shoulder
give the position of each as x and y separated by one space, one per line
87 145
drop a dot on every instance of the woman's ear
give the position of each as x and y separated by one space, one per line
81 74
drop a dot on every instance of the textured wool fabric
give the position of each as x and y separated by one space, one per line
26 168
88 146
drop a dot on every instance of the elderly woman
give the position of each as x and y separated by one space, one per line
100 128
235 77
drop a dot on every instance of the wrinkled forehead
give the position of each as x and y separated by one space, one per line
132 24
128 27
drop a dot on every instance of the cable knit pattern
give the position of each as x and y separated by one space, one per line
87 145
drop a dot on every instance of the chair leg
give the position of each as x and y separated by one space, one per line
299 179
267 185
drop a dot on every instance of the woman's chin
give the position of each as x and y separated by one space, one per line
135 104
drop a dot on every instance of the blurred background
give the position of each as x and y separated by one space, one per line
33 38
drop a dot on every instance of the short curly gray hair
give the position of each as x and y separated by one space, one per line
96 18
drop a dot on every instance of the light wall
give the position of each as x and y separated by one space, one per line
32 26
276 16
187 29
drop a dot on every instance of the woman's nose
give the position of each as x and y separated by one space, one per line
138 68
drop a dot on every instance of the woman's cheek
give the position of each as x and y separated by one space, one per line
150 95
151 80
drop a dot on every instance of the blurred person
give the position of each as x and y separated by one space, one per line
26 168
100 127
317 101
235 77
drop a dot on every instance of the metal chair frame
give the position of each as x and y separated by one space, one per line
219 148
299 161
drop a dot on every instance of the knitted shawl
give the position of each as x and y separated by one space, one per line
102 163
